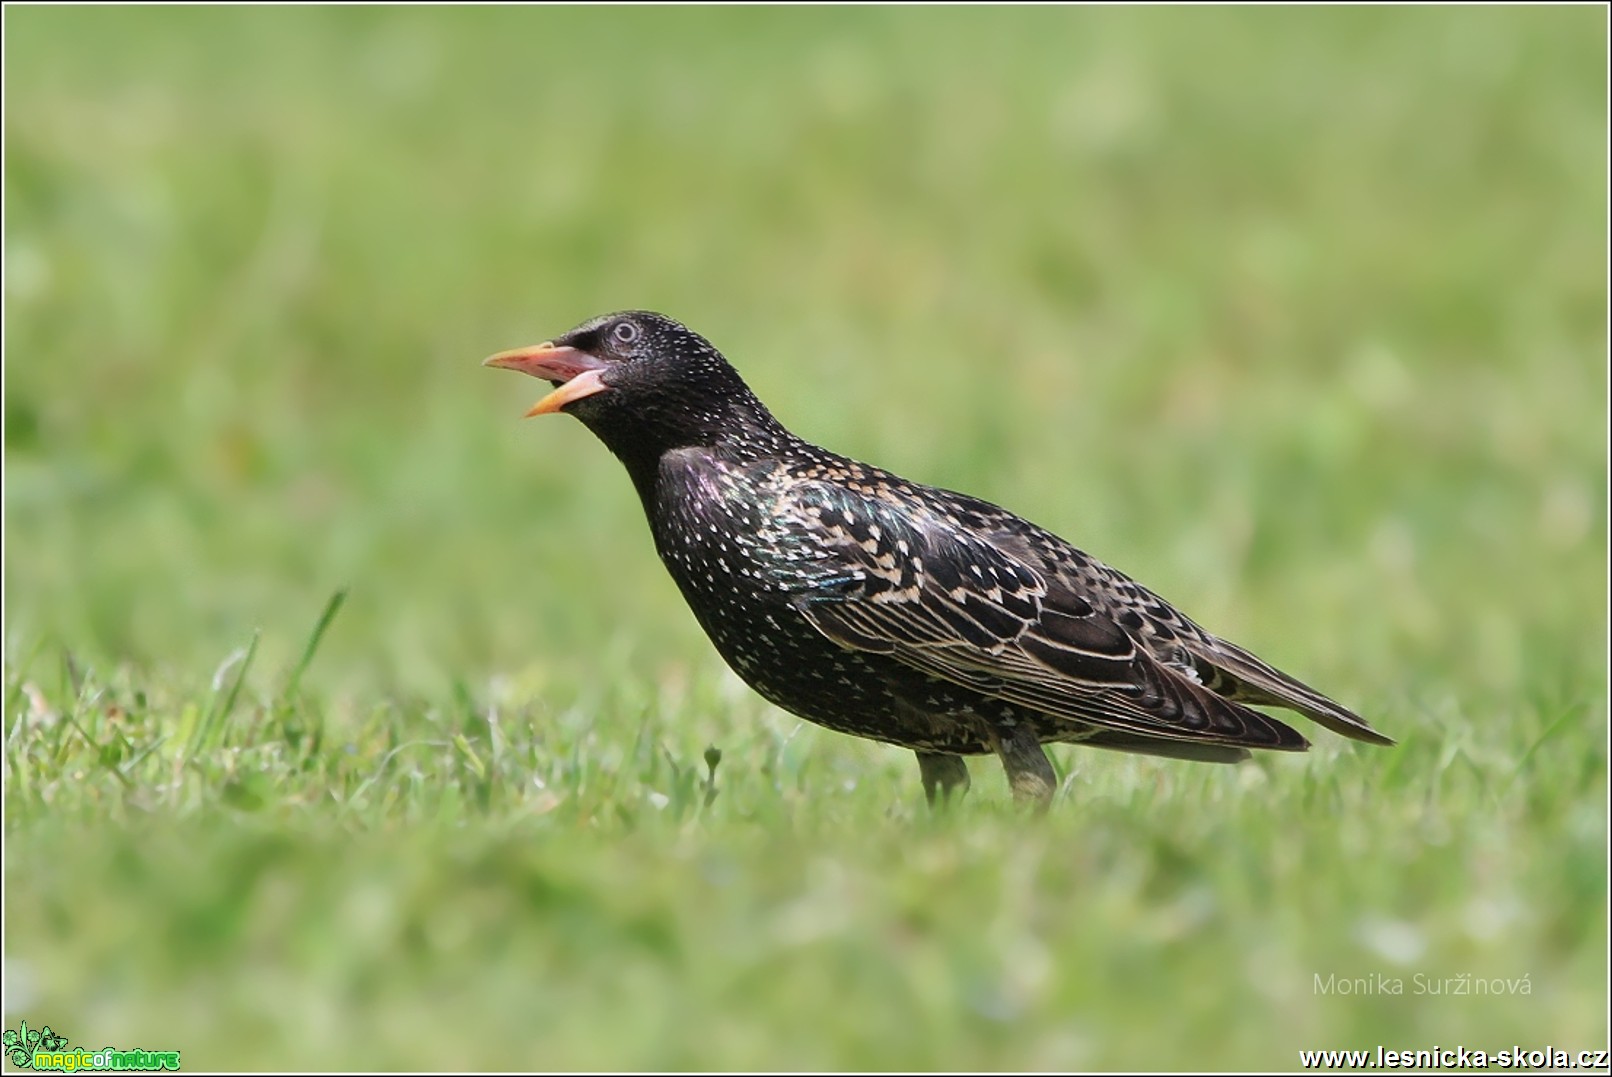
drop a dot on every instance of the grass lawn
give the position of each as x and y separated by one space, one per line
351 722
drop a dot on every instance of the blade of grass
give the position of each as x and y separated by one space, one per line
1550 731
223 703
332 607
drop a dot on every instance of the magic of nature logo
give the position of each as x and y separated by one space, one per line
43 1049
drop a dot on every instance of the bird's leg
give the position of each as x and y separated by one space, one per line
1029 771
943 771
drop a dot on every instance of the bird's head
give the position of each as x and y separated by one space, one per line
642 382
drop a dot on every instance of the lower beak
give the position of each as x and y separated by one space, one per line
575 372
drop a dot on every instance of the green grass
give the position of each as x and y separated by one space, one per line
1299 316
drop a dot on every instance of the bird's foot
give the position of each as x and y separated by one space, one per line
942 773
1029 771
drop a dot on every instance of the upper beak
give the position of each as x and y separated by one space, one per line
576 372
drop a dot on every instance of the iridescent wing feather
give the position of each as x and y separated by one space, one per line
874 575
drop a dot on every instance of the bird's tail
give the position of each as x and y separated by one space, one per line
1197 751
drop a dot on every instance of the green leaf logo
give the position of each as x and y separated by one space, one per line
17 1042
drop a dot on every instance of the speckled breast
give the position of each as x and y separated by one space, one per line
705 531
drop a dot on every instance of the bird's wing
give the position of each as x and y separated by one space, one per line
1175 639
875 575
1235 673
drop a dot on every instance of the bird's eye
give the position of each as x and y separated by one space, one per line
625 332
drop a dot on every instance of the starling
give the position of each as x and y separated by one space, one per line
891 610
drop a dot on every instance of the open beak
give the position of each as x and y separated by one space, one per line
573 371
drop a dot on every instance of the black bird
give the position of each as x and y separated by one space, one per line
905 613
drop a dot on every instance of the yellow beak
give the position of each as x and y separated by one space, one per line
576 372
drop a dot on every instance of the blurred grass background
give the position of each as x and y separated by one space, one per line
1299 316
